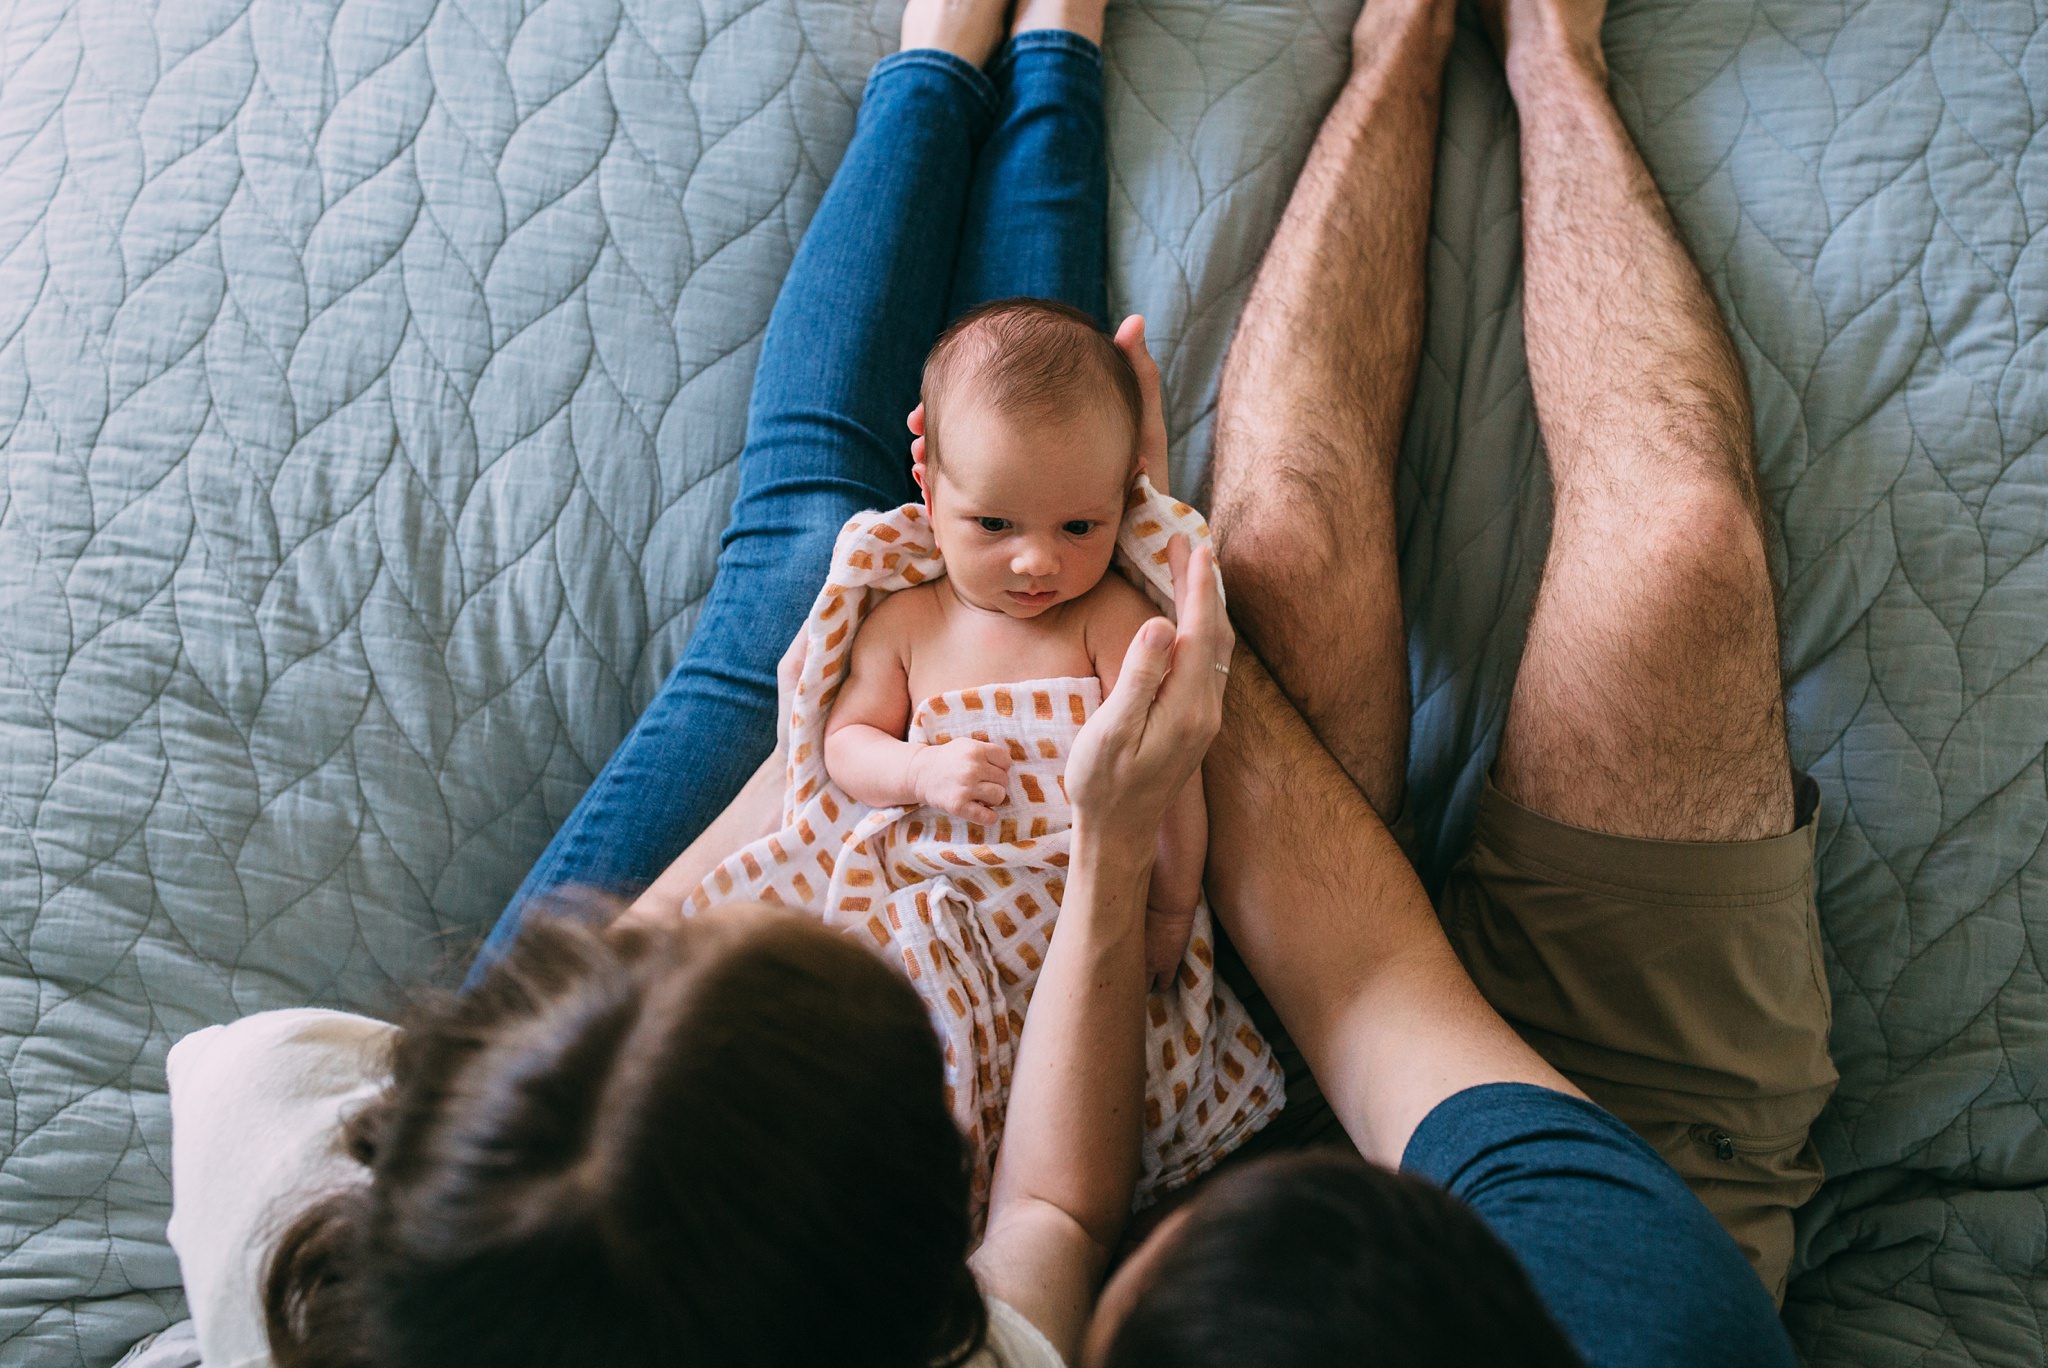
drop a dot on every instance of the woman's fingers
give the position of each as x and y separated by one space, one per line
788 671
1203 640
1111 772
1151 732
915 422
1130 338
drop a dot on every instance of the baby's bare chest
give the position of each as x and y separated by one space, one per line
949 655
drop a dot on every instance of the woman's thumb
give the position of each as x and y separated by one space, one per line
1145 663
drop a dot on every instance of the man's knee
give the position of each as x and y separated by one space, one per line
1283 535
1687 552
1703 546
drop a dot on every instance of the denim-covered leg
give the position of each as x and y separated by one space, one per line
1038 213
839 370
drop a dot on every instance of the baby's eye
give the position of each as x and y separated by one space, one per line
994 524
1079 528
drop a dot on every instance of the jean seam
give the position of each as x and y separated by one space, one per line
972 77
1049 40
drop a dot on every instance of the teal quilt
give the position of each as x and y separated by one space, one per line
371 374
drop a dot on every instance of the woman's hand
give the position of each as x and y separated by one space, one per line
788 671
1130 339
1149 735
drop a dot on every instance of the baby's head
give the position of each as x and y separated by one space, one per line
1031 417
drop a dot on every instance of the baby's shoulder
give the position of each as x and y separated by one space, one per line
901 618
1115 610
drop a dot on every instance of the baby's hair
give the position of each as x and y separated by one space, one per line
1027 358
647 1146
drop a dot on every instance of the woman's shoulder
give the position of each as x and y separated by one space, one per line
304 1047
1014 1342
257 1108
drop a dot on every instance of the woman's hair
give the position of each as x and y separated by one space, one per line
723 1142
1321 1258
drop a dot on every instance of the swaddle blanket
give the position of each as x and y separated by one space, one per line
968 910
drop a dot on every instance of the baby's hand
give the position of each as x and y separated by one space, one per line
965 777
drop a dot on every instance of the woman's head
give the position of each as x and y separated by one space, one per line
1320 1258
724 1142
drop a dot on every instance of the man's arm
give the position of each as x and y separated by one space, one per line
1334 925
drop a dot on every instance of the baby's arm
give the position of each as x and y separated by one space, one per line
1184 836
1177 880
865 752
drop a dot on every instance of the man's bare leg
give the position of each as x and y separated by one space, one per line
1316 392
1649 701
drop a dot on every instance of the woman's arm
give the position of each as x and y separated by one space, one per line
1118 610
1069 1159
754 812
1334 925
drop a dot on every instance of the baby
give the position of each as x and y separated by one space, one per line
1030 417
952 658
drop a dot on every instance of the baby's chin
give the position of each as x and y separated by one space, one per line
1001 601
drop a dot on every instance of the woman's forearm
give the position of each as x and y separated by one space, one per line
1334 925
753 813
1077 1097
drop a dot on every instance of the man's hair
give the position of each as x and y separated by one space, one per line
672 1145
1320 1258
1027 358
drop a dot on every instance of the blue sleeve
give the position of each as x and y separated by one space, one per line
1634 1270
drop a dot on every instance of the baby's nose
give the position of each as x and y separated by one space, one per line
1036 560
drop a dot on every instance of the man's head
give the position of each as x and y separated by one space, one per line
1031 418
1319 1259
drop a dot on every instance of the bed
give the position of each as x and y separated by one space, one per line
371 374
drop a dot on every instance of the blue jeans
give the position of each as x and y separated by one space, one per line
958 187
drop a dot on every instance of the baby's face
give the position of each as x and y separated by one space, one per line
1026 512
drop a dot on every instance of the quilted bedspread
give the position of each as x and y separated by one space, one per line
371 374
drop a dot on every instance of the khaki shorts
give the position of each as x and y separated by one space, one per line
1678 984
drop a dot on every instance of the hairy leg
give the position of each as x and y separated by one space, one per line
1315 395
1649 701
